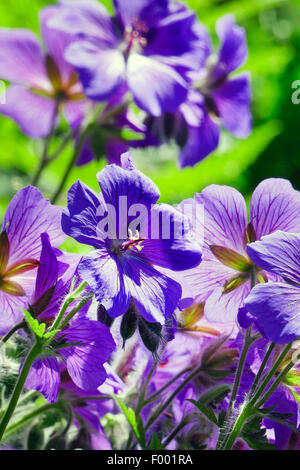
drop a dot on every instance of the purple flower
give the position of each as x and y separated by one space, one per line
39 80
275 306
121 266
223 280
27 217
150 45
84 345
216 99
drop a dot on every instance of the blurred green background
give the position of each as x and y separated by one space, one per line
273 149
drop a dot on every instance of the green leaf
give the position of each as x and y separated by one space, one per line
155 442
255 435
131 418
208 412
50 334
36 327
215 394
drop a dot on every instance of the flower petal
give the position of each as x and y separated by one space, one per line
32 112
275 205
166 89
44 377
27 217
148 11
21 58
233 103
85 360
278 253
224 307
276 308
155 295
79 219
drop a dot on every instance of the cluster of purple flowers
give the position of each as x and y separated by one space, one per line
155 51
186 292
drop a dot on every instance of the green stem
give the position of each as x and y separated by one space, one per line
270 375
32 355
29 417
275 384
69 300
262 367
44 160
248 341
12 331
175 431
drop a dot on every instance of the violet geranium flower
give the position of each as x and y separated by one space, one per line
223 280
215 100
121 268
83 345
27 217
150 45
41 82
275 306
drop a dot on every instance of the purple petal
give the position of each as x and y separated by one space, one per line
155 295
276 308
56 42
233 103
171 243
11 308
48 268
79 219
27 217
101 71
225 217
148 11
278 253
22 59
85 18
275 205
103 274
74 112
234 50
223 307
166 89
44 377
32 112
116 182
84 361
202 140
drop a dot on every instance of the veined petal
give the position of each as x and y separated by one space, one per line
155 295
94 345
225 217
11 311
104 275
278 253
233 104
223 306
276 308
234 50
275 205
27 217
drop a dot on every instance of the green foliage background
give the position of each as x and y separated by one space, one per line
273 149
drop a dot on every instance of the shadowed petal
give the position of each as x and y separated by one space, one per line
103 274
225 217
44 377
27 217
84 361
